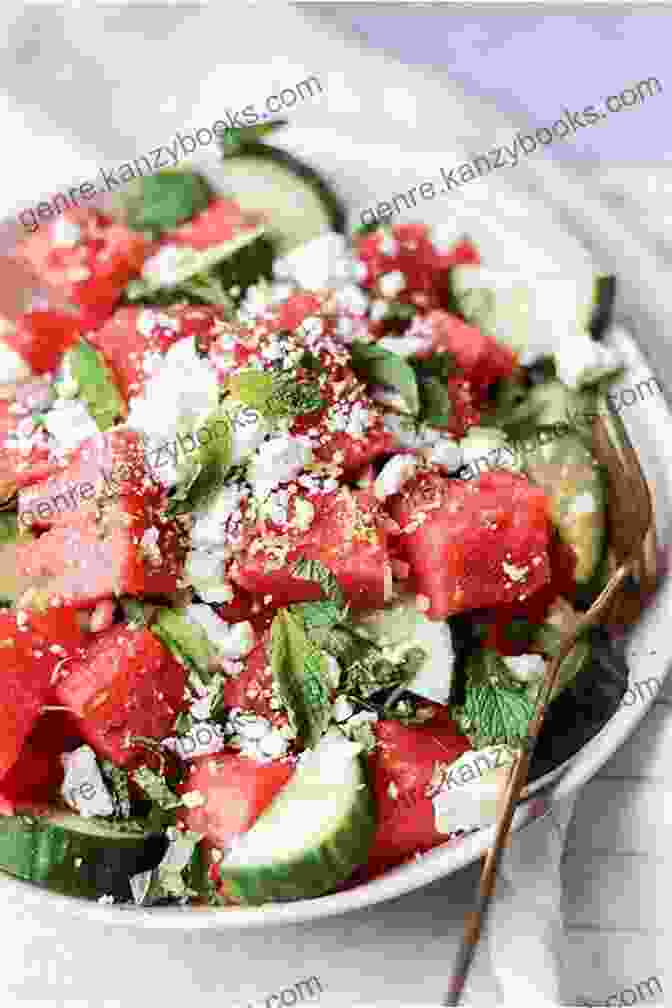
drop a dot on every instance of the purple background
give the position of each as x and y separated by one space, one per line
536 62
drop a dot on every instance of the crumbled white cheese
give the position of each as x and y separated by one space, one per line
64 232
217 526
446 454
351 299
169 265
177 397
234 640
69 422
391 478
583 503
248 430
13 368
404 429
391 284
526 668
343 709
278 460
406 345
378 310
83 787
333 670
149 319
472 790
319 263
273 744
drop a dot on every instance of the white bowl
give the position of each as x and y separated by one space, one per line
530 230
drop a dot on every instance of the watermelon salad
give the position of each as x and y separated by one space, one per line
291 523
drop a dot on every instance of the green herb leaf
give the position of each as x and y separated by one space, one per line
11 531
313 570
156 789
494 711
276 395
96 386
300 671
201 474
202 264
377 366
136 613
187 642
236 137
117 781
164 200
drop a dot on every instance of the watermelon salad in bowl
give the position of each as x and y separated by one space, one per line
292 521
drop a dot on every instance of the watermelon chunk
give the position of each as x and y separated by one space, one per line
90 264
127 683
236 790
481 357
25 456
42 337
221 221
347 535
401 768
31 648
109 467
133 336
473 544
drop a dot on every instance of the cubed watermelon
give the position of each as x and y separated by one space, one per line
473 544
126 684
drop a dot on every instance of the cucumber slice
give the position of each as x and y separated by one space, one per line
314 834
78 856
300 204
575 483
527 316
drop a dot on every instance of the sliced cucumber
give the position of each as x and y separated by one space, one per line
77 856
530 314
575 483
312 836
300 204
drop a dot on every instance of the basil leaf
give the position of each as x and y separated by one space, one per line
252 387
300 672
96 386
377 366
162 201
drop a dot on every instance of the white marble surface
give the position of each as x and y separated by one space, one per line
615 870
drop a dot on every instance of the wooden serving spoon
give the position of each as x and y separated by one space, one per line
630 523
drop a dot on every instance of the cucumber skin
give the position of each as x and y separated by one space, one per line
564 451
316 872
293 165
33 849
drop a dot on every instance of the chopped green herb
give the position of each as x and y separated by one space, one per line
162 201
377 366
96 386
300 671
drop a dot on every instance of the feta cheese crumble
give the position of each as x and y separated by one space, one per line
83 787
278 460
69 423
234 640
391 478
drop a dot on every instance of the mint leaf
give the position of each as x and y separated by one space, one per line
300 672
236 137
11 531
162 201
187 642
274 395
377 366
117 782
96 386
156 789
494 710
201 473
313 570
432 374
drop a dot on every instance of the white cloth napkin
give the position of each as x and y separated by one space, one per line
86 87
